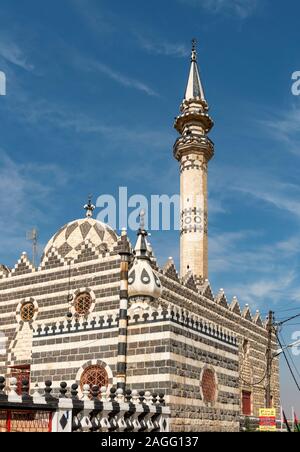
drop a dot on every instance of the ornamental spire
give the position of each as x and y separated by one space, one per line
194 87
143 282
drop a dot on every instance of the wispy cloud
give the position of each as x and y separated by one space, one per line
163 47
57 116
99 20
228 255
122 79
259 184
13 54
241 8
25 199
285 127
269 270
264 291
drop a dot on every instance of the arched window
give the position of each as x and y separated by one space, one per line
83 303
94 376
209 386
27 311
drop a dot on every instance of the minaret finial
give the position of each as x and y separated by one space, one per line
89 207
194 49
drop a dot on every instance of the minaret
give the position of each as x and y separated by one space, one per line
193 149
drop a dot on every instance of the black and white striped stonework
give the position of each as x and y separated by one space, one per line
123 314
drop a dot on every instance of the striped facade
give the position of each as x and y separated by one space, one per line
161 346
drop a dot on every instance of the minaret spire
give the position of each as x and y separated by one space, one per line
193 149
194 87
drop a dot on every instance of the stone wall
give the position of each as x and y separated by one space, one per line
170 342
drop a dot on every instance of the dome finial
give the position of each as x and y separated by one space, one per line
89 207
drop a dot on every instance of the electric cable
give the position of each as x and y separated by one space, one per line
290 355
288 363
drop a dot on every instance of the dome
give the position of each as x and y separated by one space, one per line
69 238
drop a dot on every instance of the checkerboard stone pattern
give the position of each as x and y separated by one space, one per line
69 239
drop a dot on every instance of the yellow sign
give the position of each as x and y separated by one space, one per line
267 419
267 412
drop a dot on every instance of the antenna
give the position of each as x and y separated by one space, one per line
32 236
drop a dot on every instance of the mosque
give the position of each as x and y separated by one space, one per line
99 310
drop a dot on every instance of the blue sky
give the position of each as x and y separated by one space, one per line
92 91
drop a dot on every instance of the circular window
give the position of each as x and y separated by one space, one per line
94 376
209 387
27 311
83 303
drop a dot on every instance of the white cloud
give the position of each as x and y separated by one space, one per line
258 274
45 114
115 138
122 79
285 127
266 290
163 47
12 53
25 199
99 20
241 8
257 183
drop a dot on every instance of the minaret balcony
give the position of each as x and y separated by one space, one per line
196 116
193 144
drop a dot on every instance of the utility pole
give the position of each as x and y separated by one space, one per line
269 357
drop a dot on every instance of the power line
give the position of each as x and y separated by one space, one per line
288 310
258 383
290 356
265 313
288 363
280 323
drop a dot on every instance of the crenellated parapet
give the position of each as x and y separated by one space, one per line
4 271
235 306
221 299
52 259
139 314
194 294
170 270
206 291
246 313
257 319
190 282
99 321
182 317
22 267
